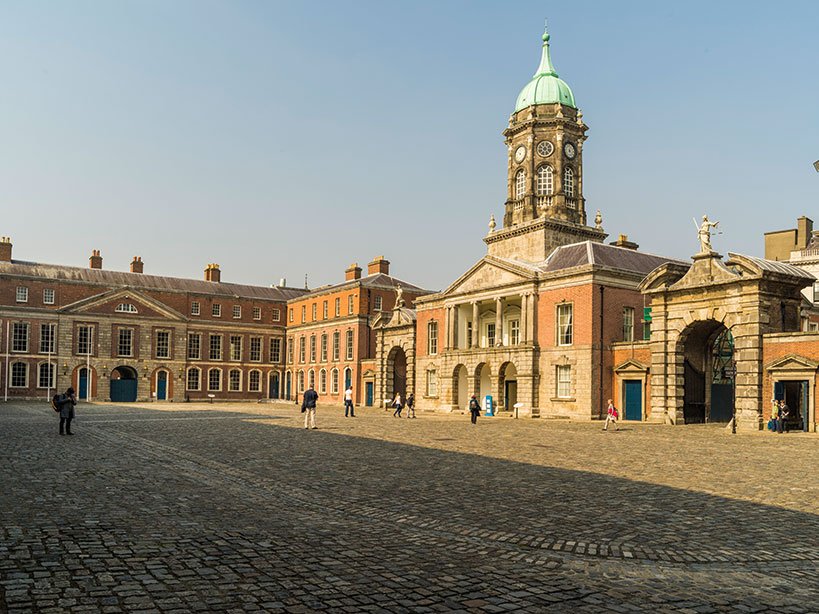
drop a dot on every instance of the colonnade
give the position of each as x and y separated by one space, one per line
454 313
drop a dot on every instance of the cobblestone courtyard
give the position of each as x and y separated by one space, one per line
209 508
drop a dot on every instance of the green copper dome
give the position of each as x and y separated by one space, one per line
545 87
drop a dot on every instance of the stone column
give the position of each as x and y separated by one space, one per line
475 327
447 325
455 324
530 318
499 303
524 318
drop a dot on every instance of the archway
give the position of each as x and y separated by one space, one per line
162 385
483 378
81 378
460 390
707 351
508 380
273 385
123 384
397 372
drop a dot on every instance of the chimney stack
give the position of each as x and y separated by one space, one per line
95 261
804 231
212 273
378 265
352 272
136 264
623 241
5 249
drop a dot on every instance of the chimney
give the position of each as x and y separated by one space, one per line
5 249
212 273
136 264
95 261
283 282
623 241
353 272
378 265
804 230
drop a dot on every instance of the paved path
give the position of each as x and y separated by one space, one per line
210 508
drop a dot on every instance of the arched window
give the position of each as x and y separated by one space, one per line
545 181
311 379
323 381
126 308
520 185
235 380
334 381
194 378
348 378
215 379
568 182
300 381
254 381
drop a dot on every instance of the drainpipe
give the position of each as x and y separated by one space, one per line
602 311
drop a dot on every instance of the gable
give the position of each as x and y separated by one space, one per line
487 274
792 362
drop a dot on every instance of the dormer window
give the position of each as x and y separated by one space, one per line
126 308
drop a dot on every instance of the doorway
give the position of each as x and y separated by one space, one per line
161 385
796 394
633 399
83 384
369 393
273 386
123 385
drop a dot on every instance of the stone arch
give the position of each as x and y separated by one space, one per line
124 382
460 387
483 381
396 379
507 390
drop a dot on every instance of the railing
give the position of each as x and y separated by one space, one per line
544 202
518 204
571 203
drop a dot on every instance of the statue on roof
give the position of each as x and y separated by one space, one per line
704 234
399 296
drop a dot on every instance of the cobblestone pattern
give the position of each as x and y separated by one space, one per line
198 508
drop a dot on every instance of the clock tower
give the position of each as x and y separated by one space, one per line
545 207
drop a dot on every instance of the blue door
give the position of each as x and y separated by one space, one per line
161 385
369 387
123 390
83 383
273 386
633 392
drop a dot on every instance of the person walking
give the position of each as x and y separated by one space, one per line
348 402
67 404
784 412
411 405
474 409
611 416
775 416
396 403
308 406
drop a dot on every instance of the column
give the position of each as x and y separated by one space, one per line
530 318
499 303
455 324
524 318
448 328
475 327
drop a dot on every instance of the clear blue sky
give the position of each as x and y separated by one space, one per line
284 138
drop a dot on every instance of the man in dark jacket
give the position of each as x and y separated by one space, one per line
67 403
308 405
474 409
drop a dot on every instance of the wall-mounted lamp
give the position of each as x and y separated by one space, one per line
65 369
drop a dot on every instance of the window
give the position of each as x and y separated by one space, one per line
564 381
349 345
277 314
254 381
312 348
215 379
235 380
19 337
302 350
194 346
291 314
22 294
193 378
304 313
300 381
350 307
324 347
256 349
126 308
235 347
628 323
125 342
257 313
468 334
45 375
237 311
163 344
196 309
47 338
432 383
334 381
377 303
432 338
514 332
311 379
336 344
19 375
564 324
216 310
545 181
215 347
290 350
568 182
275 350
520 185
314 311
84 335
348 378
490 334
48 296
325 310
338 307
646 330
323 381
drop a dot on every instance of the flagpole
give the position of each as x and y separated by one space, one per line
6 396
88 364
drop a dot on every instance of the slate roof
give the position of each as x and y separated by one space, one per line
103 277
609 256
379 280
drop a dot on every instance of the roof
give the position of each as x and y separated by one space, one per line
379 280
545 87
774 266
104 277
600 254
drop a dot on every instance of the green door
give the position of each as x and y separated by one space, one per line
633 393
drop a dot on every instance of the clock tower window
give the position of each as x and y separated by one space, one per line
520 185
545 180
568 184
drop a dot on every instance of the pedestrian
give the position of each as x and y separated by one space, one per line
66 404
474 409
611 416
308 406
411 405
775 416
784 412
348 402
396 403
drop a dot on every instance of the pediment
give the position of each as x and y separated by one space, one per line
488 273
631 366
705 272
108 304
793 362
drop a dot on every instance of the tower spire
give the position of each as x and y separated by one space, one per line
546 68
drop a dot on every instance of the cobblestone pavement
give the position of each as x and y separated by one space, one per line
211 508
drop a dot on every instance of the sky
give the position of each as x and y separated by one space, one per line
284 139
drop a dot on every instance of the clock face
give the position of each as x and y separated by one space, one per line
520 154
545 148
569 150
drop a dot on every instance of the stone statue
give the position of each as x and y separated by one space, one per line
399 296
598 220
704 234
492 223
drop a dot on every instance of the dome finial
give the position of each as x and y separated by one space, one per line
546 67
546 36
